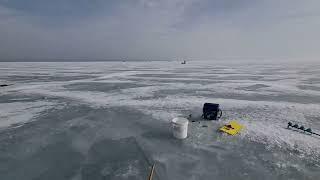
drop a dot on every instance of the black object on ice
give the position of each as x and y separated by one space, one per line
211 111
289 124
301 128
4 85
308 130
311 132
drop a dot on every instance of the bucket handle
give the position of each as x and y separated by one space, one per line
220 115
174 124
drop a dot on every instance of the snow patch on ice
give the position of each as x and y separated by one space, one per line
22 112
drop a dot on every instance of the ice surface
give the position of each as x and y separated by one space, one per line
18 113
88 115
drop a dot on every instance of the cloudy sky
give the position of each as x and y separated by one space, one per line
159 29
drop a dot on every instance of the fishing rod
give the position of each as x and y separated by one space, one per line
302 128
151 172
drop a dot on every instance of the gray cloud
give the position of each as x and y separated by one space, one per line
154 29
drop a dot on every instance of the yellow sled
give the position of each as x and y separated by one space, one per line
232 128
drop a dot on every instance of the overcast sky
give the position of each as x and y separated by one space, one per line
159 29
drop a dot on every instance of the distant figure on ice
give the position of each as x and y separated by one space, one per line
183 62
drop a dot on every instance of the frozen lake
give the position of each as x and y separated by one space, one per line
110 120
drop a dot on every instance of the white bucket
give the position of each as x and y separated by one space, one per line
180 127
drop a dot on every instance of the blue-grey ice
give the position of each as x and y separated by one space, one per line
111 120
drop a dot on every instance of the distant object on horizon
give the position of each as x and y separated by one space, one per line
184 62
